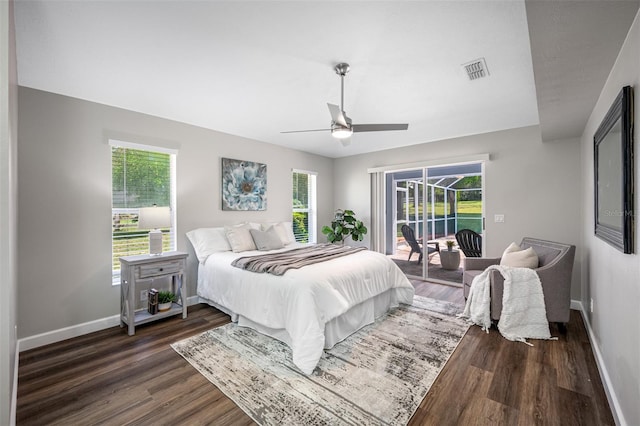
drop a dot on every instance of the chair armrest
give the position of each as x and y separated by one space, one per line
435 243
479 263
556 286
496 281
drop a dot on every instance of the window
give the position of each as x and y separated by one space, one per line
304 206
141 176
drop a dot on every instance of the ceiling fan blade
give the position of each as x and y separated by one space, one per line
336 115
345 142
305 131
378 127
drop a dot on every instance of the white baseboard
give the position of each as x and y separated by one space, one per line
576 305
14 388
616 410
54 336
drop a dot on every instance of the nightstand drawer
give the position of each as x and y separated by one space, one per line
163 268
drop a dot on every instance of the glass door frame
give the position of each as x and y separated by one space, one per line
425 227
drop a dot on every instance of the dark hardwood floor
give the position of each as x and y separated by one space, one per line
111 378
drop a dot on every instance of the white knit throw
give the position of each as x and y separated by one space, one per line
523 311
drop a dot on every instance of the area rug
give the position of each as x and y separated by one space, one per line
378 375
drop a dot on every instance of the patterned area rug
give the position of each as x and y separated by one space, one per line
379 375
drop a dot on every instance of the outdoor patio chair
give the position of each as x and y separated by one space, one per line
410 238
469 242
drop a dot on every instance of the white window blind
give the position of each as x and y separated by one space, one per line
304 206
140 178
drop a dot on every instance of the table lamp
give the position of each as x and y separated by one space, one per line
154 218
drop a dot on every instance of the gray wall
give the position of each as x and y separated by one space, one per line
534 184
8 208
64 199
610 278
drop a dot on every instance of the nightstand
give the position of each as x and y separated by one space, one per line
146 268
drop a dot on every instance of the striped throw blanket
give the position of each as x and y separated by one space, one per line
281 262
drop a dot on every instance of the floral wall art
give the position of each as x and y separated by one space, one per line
244 185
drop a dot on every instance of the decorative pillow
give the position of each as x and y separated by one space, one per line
280 230
291 238
240 238
267 240
516 257
206 241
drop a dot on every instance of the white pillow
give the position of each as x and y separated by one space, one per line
280 229
240 238
515 257
267 240
206 241
291 238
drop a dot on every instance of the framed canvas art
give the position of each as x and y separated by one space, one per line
244 185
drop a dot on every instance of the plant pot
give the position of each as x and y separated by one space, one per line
164 306
450 260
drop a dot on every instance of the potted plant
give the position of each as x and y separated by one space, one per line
450 244
165 299
344 225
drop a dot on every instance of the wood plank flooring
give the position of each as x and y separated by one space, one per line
111 378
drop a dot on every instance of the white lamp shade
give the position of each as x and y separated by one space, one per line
154 218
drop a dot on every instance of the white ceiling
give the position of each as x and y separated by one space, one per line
574 45
255 69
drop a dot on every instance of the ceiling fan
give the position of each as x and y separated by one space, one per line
341 125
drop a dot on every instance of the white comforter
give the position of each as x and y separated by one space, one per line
301 301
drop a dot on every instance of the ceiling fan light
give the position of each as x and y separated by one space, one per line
341 133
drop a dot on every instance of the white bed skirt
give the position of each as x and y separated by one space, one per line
335 330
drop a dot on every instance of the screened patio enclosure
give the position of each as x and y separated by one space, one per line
436 207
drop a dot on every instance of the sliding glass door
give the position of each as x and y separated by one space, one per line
409 205
435 203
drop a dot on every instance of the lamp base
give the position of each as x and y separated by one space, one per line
155 242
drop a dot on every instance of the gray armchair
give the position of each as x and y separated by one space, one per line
555 270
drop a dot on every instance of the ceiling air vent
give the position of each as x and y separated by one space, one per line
476 69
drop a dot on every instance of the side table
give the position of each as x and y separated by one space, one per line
450 260
145 268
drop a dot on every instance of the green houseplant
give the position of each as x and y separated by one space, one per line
165 299
344 225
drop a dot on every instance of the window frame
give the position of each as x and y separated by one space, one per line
173 235
311 210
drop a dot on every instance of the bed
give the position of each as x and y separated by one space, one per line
311 308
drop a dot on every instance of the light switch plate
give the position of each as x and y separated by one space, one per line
498 218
